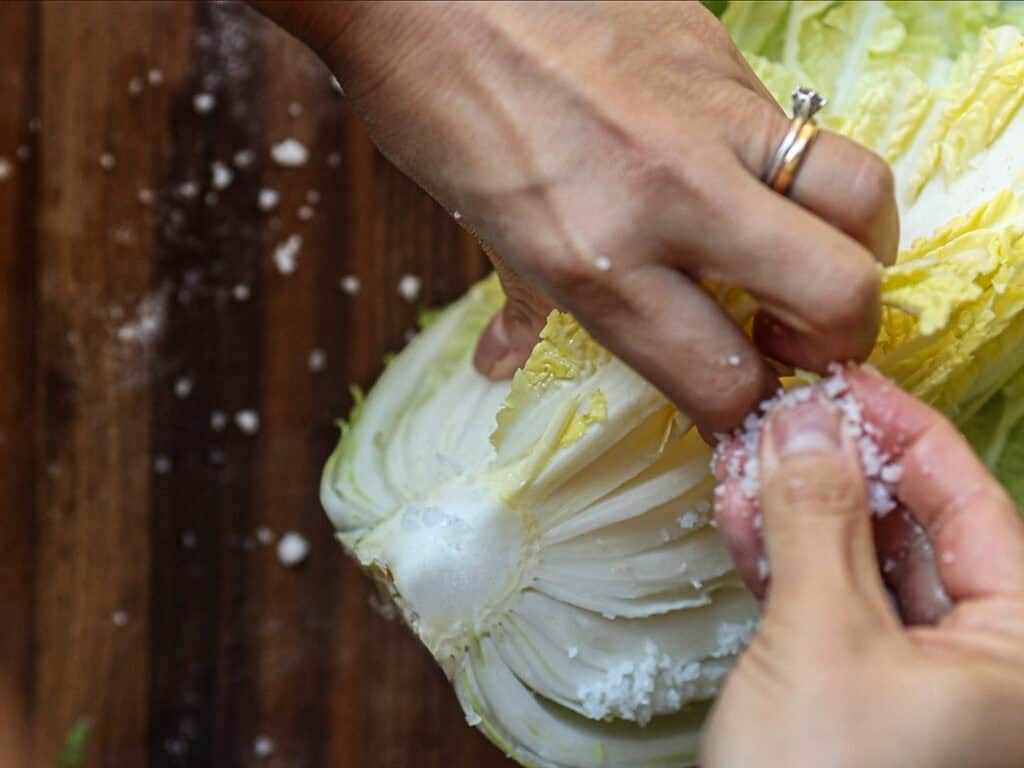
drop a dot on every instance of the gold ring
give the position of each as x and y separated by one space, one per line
786 161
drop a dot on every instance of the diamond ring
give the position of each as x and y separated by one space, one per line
786 161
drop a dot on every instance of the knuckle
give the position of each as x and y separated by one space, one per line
723 401
855 314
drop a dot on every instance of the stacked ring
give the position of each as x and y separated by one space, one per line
786 161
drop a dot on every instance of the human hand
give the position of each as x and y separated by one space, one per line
832 677
608 156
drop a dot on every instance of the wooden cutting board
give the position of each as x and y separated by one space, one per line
134 591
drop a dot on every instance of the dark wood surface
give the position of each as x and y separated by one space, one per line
106 474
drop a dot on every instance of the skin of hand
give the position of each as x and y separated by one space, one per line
832 676
608 156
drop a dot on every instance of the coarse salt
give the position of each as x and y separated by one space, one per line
317 360
263 747
155 76
241 292
107 161
603 263
183 387
305 213
162 465
221 175
290 153
350 285
146 196
243 158
733 360
203 103
248 421
119 618
264 536
409 287
292 549
267 199
286 254
188 190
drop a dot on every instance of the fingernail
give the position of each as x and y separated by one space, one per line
810 427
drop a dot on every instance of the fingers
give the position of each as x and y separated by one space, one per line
973 525
822 286
817 526
910 569
663 325
840 181
512 333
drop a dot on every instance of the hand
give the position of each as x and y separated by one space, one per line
610 154
832 677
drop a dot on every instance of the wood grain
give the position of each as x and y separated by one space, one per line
134 590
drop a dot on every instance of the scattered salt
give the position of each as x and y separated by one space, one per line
119 617
305 213
289 153
603 263
572 651
286 254
733 360
263 747
456 215
203 103
107 161
264 536
317 360
218 421
146 196
248 421
5 168
292 549
188 189
183 387
350 285
409 287
162 465
241 292
268 199
221 175
155 77
243 158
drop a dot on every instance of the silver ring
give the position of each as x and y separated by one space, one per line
786 161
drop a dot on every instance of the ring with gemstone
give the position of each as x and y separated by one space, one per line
786 161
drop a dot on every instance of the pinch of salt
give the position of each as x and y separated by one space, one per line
286 254
292 549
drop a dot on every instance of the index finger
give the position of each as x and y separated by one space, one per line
974 526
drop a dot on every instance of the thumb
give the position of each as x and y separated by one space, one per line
817 523
512 333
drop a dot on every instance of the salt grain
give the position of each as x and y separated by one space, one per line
289 153
189 539
292 549
312 196
162 465
155 77
119 618
264 536
243 158
203 103
248 421
107 161
603 263
135 86
409 287
572 652
317 360
286 254
183 387
146 196
188 189
221 175
267 199
305 213
294 109
456 215
5 168
733 360
241 292
948 557
350 285
218 421
263 747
